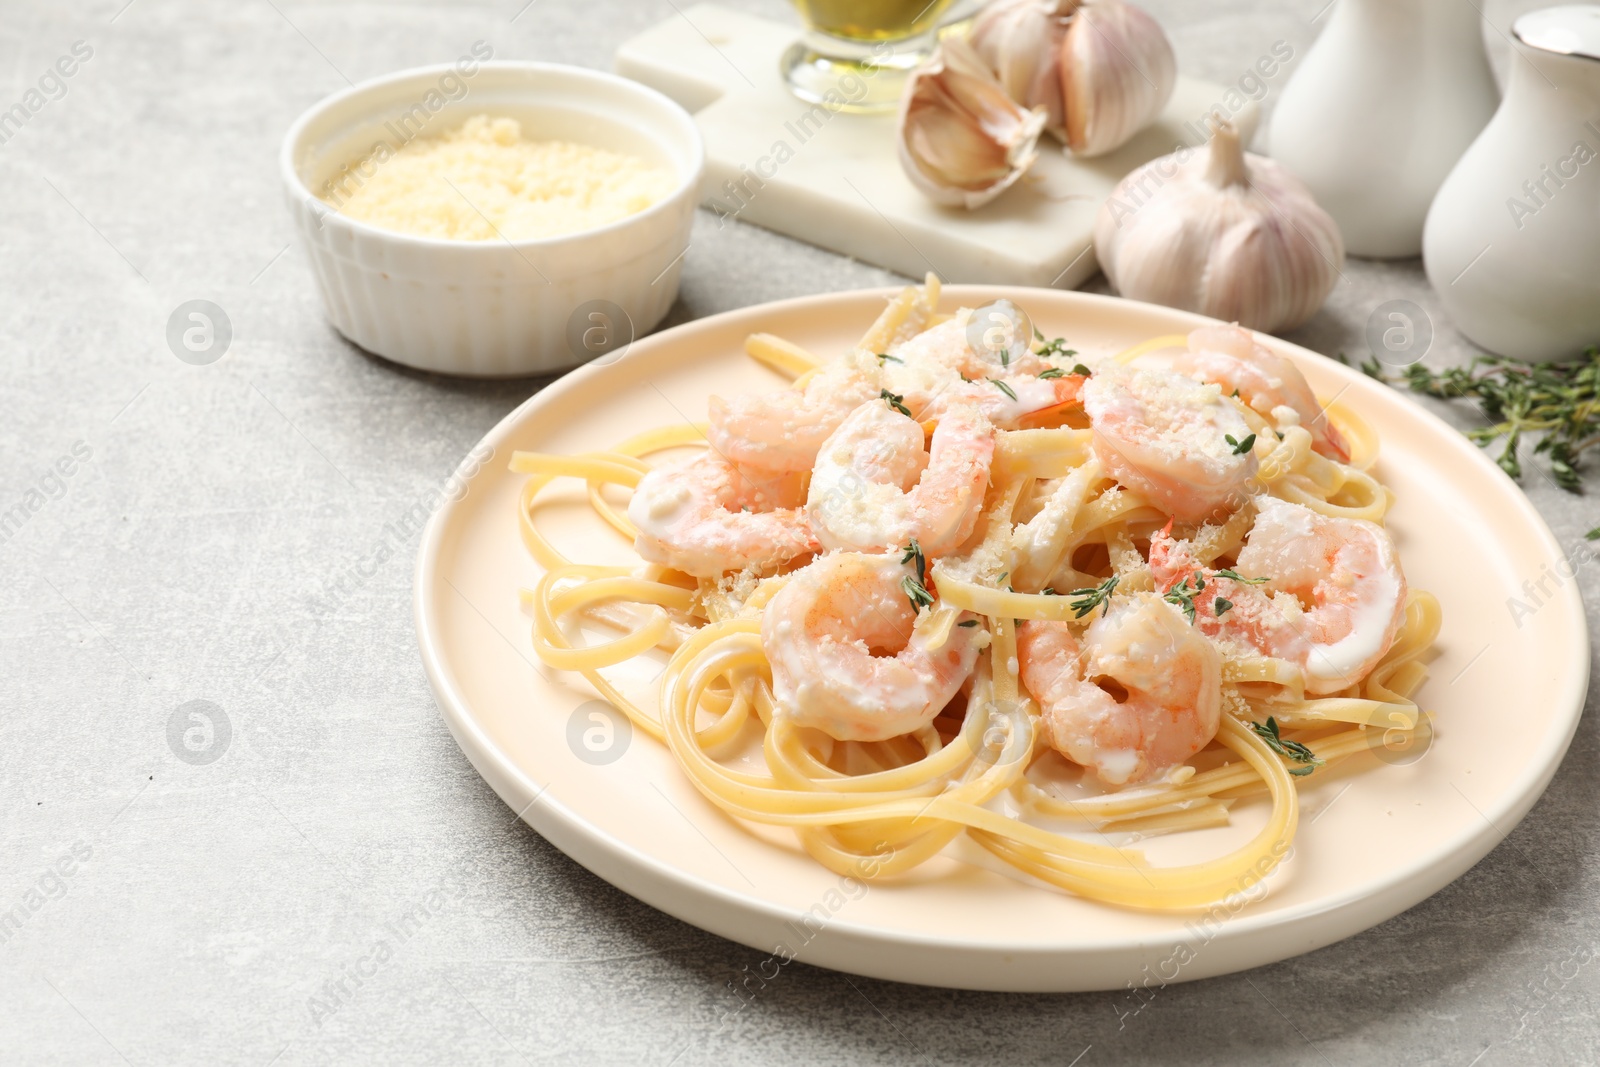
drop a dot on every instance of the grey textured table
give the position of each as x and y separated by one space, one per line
213 542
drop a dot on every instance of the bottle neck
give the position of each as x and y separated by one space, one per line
1549 80
1444 23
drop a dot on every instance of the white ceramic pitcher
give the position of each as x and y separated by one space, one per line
1378 112
1513 240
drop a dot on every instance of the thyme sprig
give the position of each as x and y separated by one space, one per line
1003 387
895 401
916 589
1086 600
1056 347
917 593
1557 402
914 555
1183 595
1056 372
1290 750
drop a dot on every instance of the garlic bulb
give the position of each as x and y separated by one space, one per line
1020 41
1221 232
1101 69
1117 73
962 140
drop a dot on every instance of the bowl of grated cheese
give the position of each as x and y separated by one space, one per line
494 219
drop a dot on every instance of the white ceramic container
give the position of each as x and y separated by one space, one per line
1378 112
493 308
1513 240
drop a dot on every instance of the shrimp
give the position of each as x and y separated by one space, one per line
1332 601
946 348
1138 695
707 516
1021 403
1269 384
938 370
1249 622
845 658
1167 436
873 488
782 430
1339 582
928 374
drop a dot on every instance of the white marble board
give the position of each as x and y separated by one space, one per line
832 179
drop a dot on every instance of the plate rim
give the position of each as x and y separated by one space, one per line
611 858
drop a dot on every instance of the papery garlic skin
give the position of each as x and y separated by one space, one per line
1020 42
962 140
1221 232
1118 71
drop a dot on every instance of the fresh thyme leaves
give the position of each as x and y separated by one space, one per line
1240 447
1183 596
1292 750
1233 575
895 401
1089 599
969 622
1053 348
917 593
915 588
1057 372
1003 387
884 357
1592 535
1560 402
914 553
1183 593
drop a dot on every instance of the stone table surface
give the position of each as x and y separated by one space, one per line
209 905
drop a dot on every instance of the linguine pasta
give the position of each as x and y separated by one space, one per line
981 768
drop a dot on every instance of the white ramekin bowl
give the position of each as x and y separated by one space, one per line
493 308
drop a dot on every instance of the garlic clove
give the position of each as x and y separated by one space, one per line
1118 71
1221 232
1020 42
962 140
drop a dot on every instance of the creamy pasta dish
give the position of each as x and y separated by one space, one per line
962 580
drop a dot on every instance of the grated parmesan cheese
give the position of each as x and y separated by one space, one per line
504 186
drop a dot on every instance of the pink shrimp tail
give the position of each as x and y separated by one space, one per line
1333 441
1170 559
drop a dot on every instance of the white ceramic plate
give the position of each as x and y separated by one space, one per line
1506 689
